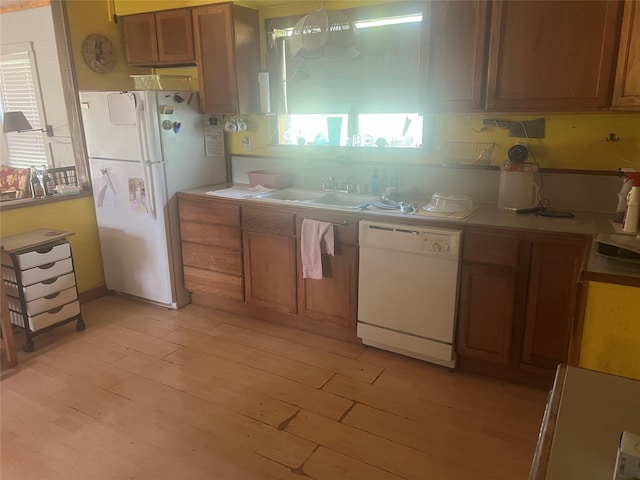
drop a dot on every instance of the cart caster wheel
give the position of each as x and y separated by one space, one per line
80 326
28 347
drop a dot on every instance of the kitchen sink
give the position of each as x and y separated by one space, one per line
318 198
292 195
344 200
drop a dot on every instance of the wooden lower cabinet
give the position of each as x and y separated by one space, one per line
487 309
334 298
518 302
270 271
268 236
211 247
551 300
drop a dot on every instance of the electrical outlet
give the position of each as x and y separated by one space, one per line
246 143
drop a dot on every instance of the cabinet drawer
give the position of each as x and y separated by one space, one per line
38 290
41 273
44 255
45 303
212 258
197 280
268 220
216 235
493 249
208 211
45 319
345 229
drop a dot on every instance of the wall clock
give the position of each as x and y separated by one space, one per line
98 53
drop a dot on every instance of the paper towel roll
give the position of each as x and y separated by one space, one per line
265 95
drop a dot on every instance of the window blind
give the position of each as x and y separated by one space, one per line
19 91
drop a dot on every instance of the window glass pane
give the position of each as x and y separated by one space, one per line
18 92
391 130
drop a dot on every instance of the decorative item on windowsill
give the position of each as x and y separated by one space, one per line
324 33
18 123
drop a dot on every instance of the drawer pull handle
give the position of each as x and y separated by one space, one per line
55 310
341 224
46 266
45 249
53 295
49 281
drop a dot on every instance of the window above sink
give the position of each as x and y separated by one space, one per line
367 100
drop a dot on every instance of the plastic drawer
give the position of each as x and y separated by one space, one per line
41 273
39 290
42 320
46 303
48 254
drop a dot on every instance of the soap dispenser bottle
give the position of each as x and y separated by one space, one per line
375 183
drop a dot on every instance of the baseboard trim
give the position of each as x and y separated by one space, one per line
93 294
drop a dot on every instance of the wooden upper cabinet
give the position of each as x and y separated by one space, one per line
454 54
228 57
552 56
140 41
626 92
175 36
159 39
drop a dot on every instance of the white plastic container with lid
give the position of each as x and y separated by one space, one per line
518 187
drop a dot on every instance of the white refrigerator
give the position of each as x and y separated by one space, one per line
144 146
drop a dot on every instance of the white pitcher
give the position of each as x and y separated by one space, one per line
518 189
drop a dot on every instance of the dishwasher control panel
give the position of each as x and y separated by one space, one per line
436 243
410 239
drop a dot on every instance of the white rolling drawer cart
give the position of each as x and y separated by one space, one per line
40 282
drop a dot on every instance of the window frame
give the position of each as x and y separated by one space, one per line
74 116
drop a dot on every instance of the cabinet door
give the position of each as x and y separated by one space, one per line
140 41
175 36
552 56
626 92
551 301
454 50
214 43
270 271
334 298
486 313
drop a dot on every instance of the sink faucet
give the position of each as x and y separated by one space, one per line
331 184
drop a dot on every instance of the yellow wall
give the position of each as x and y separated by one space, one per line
611 337
85 18
571 141
76 215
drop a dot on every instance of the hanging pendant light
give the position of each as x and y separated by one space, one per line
324 33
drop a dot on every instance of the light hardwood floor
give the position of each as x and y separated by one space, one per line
150 393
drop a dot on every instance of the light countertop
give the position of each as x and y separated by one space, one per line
584 223
594 409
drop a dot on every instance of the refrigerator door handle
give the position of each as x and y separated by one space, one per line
145 162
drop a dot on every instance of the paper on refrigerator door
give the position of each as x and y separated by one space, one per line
107 197
213 140
137 195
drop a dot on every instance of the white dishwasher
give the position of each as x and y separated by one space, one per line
408 289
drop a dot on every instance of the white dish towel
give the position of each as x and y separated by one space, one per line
316 238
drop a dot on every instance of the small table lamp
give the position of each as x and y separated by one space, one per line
17 122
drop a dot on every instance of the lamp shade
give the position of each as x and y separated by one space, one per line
324 33
15 122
